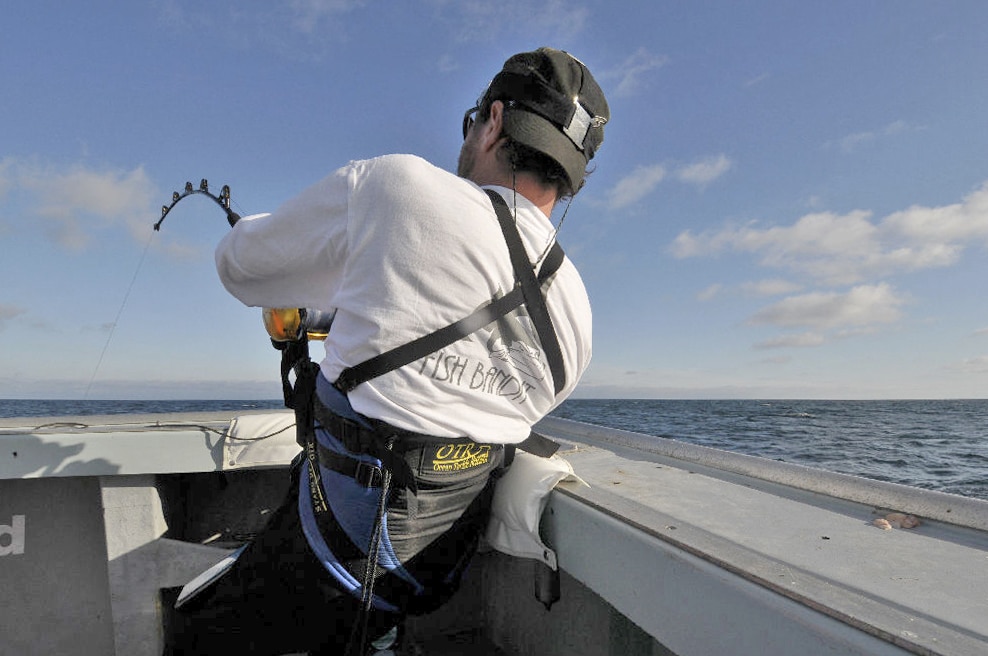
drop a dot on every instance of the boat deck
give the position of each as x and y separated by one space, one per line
673 549
455 643
921 590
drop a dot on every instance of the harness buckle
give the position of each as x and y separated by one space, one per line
368 475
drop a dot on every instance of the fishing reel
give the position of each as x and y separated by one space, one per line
294 324
290 330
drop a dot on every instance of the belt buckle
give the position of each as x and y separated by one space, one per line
368 475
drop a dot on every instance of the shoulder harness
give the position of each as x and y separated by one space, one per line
527 290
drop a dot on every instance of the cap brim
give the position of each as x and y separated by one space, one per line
540 134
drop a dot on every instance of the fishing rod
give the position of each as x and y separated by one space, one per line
282 324
290 329
223 200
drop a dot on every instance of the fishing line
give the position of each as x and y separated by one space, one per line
223 200
116 319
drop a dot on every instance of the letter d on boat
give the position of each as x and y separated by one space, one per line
12 537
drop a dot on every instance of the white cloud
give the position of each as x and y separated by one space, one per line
6 176
710 292
895 127
758 79
862 306
769 287
759 288
628 76
307 16
819 234
635 186
644 179
8 312
559 18
447 64
958 222
472 21
302 30
704 171
851 142
76 203
841 249
107 194
977 365
793 340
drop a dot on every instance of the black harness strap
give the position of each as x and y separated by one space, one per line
538 445
527 290
534 300
423 346
358 439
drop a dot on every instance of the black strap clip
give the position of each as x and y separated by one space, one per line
368 475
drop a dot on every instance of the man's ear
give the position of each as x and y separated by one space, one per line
490 136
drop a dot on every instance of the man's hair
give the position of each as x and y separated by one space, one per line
522 158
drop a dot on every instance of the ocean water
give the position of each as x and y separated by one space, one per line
937 445
59 407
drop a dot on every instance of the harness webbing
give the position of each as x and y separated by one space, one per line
531 289
527 291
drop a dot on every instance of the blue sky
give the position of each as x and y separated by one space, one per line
791 200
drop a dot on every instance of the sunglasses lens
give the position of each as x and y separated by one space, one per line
468 120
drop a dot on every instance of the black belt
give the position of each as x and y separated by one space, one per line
371 441
366 474
365 441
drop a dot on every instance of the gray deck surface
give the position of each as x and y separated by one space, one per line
454 644
921 588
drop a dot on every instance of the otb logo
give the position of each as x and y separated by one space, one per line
12 537
457 457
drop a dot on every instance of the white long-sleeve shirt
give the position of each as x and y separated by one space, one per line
398 248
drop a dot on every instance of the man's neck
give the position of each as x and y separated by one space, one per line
539 195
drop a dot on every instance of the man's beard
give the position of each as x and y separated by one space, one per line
466 161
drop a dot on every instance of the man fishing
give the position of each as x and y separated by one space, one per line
458 323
